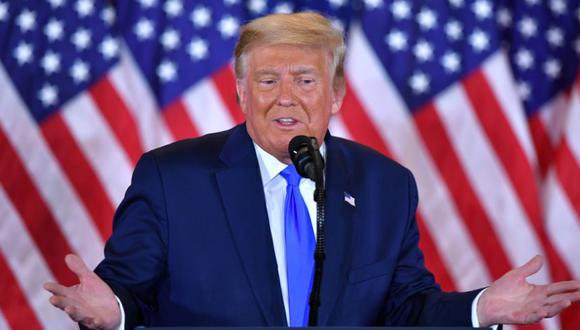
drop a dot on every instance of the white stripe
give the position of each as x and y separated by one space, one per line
498 73
47 175
99 145
573 125
488 178
206 108
3 322
129 82
563 227
338 128
553 116
27 266
388 112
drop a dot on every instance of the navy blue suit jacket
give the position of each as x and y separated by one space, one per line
191 243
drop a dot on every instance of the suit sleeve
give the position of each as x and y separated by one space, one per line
414 298
136 252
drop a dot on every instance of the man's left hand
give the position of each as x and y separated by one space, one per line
512 300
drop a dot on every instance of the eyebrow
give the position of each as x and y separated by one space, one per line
298 70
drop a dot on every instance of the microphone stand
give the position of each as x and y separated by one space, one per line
319 252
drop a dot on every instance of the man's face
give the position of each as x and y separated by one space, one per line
287 91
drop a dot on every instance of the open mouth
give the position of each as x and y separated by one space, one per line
286 121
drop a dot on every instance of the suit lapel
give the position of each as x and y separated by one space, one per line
242 193
338 226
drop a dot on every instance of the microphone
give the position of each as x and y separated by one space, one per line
306 157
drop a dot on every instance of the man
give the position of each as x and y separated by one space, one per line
201 237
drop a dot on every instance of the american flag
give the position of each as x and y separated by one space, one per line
479 98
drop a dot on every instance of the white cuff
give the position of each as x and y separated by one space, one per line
474 318
122 325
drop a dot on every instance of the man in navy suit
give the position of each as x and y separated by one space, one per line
198 239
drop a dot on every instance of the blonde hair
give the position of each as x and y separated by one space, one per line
304 29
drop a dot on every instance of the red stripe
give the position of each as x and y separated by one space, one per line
358 123
118 116
13 304
515 162
178 121
433 259
482 232
225 81
80 173
568 172
34 212
542 142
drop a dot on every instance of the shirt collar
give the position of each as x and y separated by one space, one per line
270 166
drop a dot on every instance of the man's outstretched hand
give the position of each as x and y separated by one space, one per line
91 302
512 300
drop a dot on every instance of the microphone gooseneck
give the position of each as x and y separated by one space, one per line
306 157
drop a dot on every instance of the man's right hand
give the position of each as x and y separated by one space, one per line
90 302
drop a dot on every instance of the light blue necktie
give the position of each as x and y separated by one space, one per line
300 244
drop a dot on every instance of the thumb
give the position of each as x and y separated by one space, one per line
531 267
77 265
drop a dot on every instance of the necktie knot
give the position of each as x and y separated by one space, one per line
291 175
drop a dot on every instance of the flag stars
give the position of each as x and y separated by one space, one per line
3 11
53 30
228 26
479 40
230 2
555 37
396 40
50 62
173 8
419 83
400 9
451 62
504 17
456 3
79 71
558 7
423 51
108 15
143 29
147 3
482 9
528 27
109 48
81 39
373 4
23 53
552 68
48 95
84 7
427 19
283 8
336 3
201 17
524 59
26 21
166 71
197 49
257 6
524 90
56 3
454 30
170 39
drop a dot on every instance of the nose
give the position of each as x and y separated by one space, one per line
286 93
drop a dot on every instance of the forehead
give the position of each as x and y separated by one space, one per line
287 56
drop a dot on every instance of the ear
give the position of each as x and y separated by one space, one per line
337 98
241 94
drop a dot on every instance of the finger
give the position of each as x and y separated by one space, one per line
571 297
73 313
77 265
555 309
531 267
60 302
55 288
560 287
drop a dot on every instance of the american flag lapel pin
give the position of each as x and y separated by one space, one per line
349 199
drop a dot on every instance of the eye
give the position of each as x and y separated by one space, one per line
307 81
267 83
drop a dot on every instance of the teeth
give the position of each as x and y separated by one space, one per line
286 120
